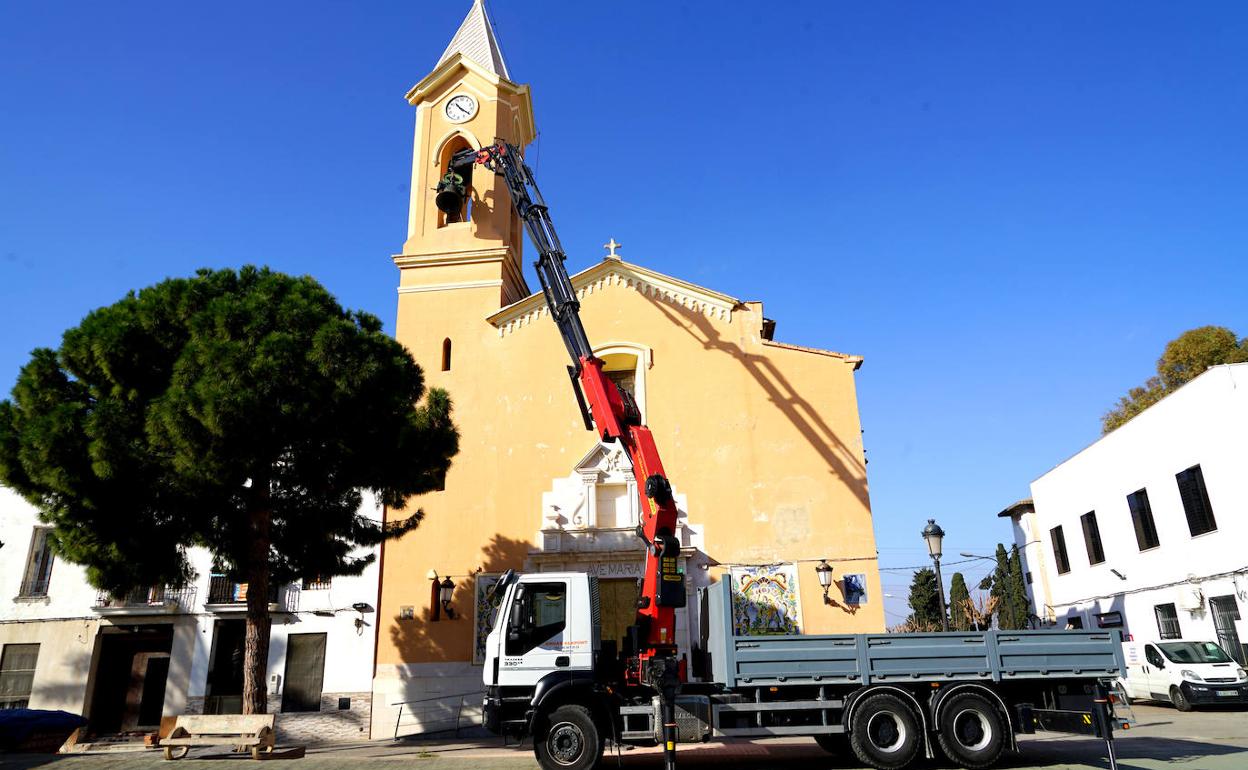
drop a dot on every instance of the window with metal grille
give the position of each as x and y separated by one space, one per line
1059 550
305 672
1168 621
17 674
1196 501
317 583
1142 518
1092 538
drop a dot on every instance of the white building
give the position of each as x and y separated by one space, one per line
1147 528
126 662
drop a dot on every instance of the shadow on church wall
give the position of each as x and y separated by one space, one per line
423 640
840 459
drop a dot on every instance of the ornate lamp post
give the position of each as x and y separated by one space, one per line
933 534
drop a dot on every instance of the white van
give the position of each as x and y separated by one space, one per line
1185 673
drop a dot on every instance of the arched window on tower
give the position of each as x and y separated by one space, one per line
454 185
446 354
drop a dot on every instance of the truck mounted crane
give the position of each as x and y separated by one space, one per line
895 697
651 654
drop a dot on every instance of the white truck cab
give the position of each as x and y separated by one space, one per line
1184 672
547 623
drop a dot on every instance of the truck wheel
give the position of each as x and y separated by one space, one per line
1180 700
570 740
833 743
885 733
972 731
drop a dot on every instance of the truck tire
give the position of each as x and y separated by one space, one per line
1180 700
885 733
972 731
570 740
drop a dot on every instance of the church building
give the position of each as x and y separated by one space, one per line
760 439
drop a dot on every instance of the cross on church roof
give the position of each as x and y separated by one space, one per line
611 246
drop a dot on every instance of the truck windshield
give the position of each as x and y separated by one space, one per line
1194 652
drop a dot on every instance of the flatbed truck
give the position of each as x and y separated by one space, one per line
891 697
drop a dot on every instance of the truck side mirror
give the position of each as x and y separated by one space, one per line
516 623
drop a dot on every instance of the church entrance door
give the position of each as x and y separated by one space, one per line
619 606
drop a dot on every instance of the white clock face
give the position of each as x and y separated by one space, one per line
461 107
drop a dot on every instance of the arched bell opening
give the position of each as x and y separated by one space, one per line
453 194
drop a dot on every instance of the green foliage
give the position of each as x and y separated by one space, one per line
1008 589
1184 358
959 598
924 603
1018 588
179 415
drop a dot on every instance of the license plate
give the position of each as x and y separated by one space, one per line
1227 693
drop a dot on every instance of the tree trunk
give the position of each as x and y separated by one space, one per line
256 641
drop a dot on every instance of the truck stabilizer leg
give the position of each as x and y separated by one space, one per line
668 700
1102 712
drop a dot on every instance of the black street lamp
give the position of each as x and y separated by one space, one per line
934 535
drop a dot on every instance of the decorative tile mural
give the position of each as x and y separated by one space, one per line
855 588
483 612
765 600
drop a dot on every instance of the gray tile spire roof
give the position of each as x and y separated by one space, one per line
475 40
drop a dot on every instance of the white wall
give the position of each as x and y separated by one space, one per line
65 623
1204 423
69 595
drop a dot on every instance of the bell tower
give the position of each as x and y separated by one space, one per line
471 246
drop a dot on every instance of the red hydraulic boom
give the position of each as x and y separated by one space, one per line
652 655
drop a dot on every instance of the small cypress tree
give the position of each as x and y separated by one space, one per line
959 598
1001 591
924 604
1018 588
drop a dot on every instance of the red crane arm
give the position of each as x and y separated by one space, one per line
610 411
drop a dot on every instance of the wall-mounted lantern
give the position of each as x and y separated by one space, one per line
824 572
446 590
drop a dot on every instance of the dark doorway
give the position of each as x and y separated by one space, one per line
305 672
130 678
224 693
1225 612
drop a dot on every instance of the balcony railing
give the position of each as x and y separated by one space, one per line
147 600
223 591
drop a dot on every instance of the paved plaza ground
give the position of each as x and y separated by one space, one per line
1163 738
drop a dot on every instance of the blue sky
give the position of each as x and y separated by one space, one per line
1006 208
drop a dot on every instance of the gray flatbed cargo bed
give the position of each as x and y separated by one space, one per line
861 659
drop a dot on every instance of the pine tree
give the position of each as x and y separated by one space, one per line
924 603
959 598
242 412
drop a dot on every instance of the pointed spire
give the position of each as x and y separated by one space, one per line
476 40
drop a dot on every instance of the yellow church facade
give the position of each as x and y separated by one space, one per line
761 440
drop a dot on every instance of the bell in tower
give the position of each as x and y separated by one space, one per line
462 233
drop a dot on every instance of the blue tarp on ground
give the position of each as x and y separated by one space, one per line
35 729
